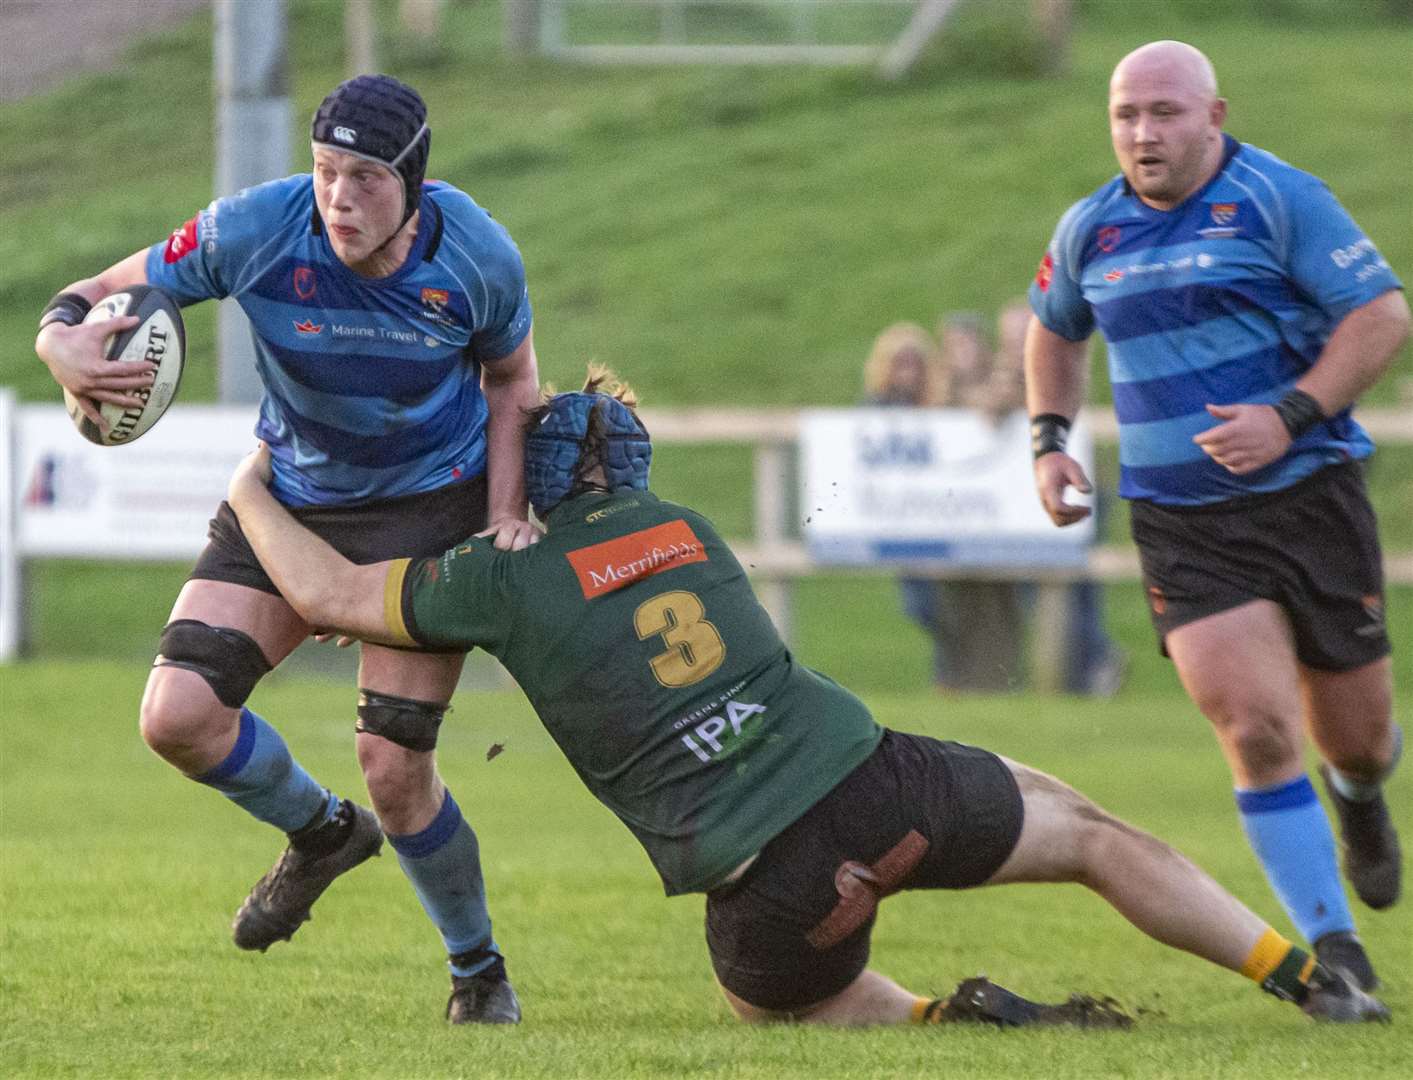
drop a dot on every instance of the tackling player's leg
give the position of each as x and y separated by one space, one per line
1068 838
402 699
1063 838
221 639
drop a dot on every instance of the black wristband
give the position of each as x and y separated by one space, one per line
1048 432
1299 412
68 308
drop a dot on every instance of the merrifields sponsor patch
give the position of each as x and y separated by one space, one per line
601 568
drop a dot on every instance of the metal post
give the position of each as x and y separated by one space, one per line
772 468
1053 19
674 22
253 121
1050 636
11 580
421 17
359 36
521 26
553 27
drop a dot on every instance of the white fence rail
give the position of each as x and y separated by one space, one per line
62 497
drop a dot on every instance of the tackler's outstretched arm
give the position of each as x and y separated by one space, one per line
326 589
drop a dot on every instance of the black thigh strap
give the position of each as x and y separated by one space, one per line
229 660
409 723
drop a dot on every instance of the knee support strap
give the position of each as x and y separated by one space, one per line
229 660
409 723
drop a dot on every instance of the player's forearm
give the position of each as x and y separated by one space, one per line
1358 353
307 571
1055 372
127 272
121 275
511 391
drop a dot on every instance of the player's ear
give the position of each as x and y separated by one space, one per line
1219 112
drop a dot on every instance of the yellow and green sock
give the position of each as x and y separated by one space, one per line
1280 968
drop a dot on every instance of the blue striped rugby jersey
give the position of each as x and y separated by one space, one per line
1228 297
371 386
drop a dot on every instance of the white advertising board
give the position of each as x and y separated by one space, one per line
149 500
947 486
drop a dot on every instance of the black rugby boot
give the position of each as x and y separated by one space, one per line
1372 860
281 900
484 998
1335 999
1343 951
980 1001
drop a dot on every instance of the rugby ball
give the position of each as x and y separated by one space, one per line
159 337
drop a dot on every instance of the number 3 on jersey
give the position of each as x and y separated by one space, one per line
694 648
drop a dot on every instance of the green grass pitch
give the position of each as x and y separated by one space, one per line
119 881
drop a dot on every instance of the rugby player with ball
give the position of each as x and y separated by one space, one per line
392 330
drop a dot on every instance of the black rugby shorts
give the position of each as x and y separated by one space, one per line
963 800
1312 548
426 523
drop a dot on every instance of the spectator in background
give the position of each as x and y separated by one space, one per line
1094 665
988 616
904 369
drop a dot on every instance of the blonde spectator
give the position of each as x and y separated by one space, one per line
902 368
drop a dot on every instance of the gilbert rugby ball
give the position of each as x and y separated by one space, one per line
159 337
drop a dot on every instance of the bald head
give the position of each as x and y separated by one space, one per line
1176 62
1165 119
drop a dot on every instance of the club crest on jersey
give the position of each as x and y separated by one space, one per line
435 299
308 327
304 282
1045 273
614 564
1223 213
181 243
1108 238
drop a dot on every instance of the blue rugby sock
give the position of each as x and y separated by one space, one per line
443 862
260 776
1290 834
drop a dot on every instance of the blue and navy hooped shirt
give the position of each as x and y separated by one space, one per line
1228 297
372 385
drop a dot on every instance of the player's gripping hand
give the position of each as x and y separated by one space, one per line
74 355
1250 437
512 534
1054 472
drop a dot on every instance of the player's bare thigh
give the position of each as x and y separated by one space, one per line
182 718
422 676
1239 667
1057 832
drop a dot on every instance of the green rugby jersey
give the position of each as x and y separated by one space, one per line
638 639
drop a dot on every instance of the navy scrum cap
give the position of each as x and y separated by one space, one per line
555 451
381 119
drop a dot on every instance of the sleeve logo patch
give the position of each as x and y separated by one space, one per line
1045 272
602 568
181 243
